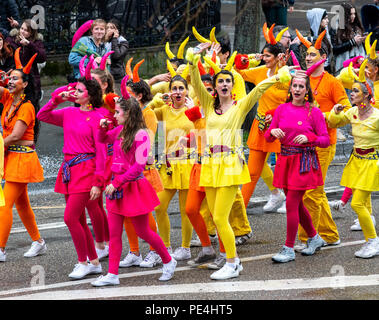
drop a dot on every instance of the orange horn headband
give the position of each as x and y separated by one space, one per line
128 68
303 40
269 34
319 40
136 77
18 63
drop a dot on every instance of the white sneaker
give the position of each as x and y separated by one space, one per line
274 202
168 270
357 227
196 242
313 244
286 254
130 260
182 254
3 255
369 249
228 271
282 209
337 205
102 253
36 249
151 260
109 279
300 247
82 270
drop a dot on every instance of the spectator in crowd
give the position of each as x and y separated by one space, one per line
276 11
8 16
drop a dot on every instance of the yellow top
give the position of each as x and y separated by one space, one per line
365 132
225 168
2 200
163 87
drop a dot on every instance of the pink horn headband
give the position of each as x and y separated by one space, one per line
88 75
314 67
124 91
104 60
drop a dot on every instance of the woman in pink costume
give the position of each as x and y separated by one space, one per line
300 127
80 177
129 194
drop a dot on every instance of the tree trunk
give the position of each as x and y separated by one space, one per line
248 26
248 29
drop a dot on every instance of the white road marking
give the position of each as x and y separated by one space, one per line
49 294
209 287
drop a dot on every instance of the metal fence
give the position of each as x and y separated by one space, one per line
144 22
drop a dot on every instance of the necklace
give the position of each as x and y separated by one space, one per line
315 92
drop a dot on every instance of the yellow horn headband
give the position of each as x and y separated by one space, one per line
185 72
213 65
280 34
180 54
367 43
362 76
200 38
169 53
230 63
170 68
351 73
373 54
216 68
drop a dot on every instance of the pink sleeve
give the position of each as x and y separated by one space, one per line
274 124
101 154
142 148
105 135
49 115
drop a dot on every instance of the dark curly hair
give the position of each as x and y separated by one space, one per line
94 92
141 87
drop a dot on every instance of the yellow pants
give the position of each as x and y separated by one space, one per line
267 175
220 201
237 219
317 203
163 220
361 204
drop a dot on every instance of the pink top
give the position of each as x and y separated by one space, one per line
126 166
295 120
79 131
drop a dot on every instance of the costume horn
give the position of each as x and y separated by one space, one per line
199 37
319 40
103 62
271 34
136 77
169 53
124 91
373 54
265 32
128 68
212 35
280 34
87 73
18 63
201 68
81 31
17 58
314 67
302 39
180 53
82 69
294 60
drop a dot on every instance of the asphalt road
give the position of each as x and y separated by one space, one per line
332 274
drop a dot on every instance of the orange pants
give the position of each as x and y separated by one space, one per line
17 194
255 164
131 232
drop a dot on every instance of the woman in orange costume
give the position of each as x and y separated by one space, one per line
273 53
21 164
140 90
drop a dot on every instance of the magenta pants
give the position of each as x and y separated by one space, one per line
143 231
99 219
76 221
297 213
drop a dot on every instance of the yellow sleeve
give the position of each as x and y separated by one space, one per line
254 95
205 98
337 120
345 78
239 88
249 75
151 124
157 101
376 94
160 87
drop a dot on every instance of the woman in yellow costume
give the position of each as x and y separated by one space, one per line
273 56
361 173
174 164
223 168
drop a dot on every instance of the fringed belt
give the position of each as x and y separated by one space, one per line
225 149
110 149
366 154
181 154
308 156
21 149
119 194
66 172
261 118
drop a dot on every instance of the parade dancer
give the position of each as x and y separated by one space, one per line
21 163
81 176
362 170
224 169
300 127
129 194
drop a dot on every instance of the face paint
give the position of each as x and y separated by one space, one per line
179 91
119 115
313 56
224 84
356 94
81 94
